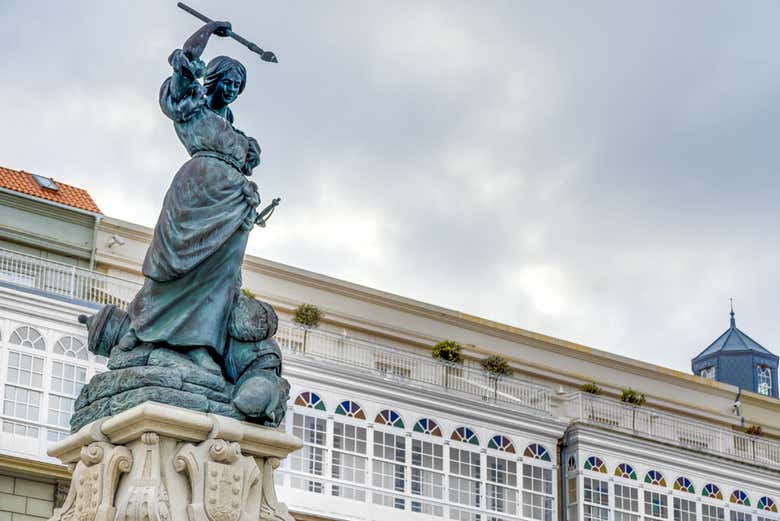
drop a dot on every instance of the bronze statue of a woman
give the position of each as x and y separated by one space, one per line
193 265
194 339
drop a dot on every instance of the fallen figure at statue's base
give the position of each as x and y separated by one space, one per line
246 384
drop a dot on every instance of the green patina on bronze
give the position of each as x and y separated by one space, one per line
190 337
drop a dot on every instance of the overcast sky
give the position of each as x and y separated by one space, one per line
603 172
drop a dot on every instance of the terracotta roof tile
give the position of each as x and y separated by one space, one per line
23 182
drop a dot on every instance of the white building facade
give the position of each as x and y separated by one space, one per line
389 432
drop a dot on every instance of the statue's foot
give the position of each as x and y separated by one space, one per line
202 357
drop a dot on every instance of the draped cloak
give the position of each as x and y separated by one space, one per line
192 268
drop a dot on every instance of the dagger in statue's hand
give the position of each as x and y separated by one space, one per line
263 216
266 56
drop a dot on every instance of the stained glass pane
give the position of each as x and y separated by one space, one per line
311 400
465 435
389 417
595 464
427 426
536 451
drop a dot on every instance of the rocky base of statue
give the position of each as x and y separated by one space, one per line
245 383
156 462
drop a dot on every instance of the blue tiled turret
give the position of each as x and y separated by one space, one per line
737 359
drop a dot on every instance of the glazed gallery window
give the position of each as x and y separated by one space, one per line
711 513
427 476
23 398
595 495
684 510
537 492
656 505
736 515
764 378
66 383
464 477
349 459
501 490
389 469
626 503
311 458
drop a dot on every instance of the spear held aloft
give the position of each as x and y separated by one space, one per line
266 56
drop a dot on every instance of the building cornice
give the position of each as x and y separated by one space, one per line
31 468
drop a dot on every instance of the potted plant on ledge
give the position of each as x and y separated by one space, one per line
497 367
308 316
450 353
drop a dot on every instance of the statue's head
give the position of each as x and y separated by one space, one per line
225 79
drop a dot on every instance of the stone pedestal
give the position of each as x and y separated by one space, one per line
157 462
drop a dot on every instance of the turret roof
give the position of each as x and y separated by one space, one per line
734 340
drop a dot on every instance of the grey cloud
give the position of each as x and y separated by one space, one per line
605 173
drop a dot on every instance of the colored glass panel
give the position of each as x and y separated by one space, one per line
465 435
595 464
654 477
311 400
427 426
389 417
624 470
536 451
740 498
571 464
501 443
684 484
767 503
350 409
710 490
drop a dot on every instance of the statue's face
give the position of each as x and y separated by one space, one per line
228 86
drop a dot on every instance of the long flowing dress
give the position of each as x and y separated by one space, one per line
193 266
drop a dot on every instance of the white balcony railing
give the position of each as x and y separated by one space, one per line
85 285
683 432
411 367
64 280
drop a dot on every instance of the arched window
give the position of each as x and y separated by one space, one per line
626 497
571 464
312 430
391 418
72 347
764 380
740 498
536 451
537 484
501 443
712 491
350 409
654 477
389 467
311 400
27 336
766 503
427 470
349 458
684 484
624 470
465 435
595 464
465 472
427 426
501 491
